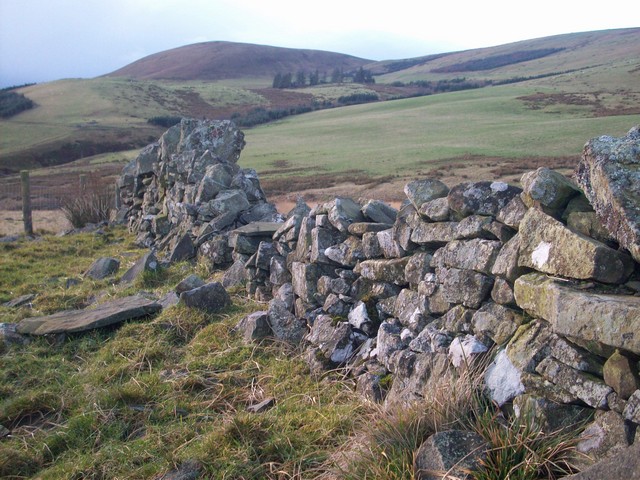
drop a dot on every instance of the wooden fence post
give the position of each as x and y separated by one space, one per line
83 183
27 218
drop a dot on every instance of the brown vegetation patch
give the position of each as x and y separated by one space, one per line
291 185
628 102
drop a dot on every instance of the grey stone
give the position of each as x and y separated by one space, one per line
359 229
482 198
368 386
304 278
379 212
359 318
211 297
632 409
417 266
284 324
102 268
551 417
321 240
503 380
502 292
421 191
587 388
147 263
478 254
436 210
416 377
391 271
371 245
344 212
452 452
512 213
609 174
347 253
548 188
506 263
601 439
336 340
184 249
464 350
9 336
235 275
434 234
109 313
624 465
497 322
20 301
189 283
254 327
588 224
548 246
620 374
464 286
388 244
262 406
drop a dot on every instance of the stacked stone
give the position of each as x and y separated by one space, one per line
418 294
183 193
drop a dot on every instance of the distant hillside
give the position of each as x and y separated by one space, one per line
593 74
546 56
228 60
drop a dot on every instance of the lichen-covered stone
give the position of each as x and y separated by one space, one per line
477 254
612 320
548 188
421 191
587 388
379 212
621 375
391 271
454 452
548 246
609 174
482 198
464 286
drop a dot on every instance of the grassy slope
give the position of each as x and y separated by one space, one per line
135 401
402 136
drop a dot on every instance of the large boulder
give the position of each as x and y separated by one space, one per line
550 247
609 174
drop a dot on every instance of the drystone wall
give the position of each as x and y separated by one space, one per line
535 276
543 279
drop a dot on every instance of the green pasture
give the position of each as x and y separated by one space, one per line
396 137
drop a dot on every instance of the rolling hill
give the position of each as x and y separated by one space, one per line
590 75
229 60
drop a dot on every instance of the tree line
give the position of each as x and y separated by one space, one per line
303 79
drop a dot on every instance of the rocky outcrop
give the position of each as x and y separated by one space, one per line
185 190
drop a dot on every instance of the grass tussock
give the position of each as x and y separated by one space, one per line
90 207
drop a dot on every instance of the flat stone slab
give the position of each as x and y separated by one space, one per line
71 321
612 320
257 229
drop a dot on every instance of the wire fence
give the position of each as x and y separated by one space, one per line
48 195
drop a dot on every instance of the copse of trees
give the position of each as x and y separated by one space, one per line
12 103
164 120
302 79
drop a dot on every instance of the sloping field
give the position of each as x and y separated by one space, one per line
481 134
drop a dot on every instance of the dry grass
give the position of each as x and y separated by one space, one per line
52 221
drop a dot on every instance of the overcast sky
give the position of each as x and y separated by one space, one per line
43 40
